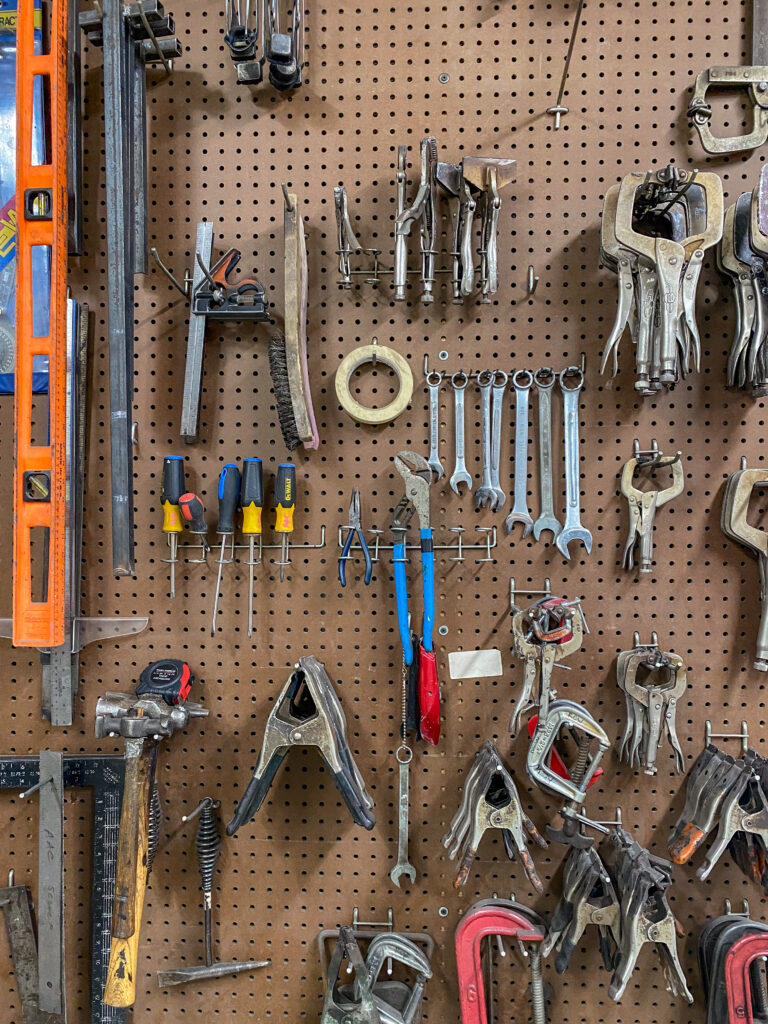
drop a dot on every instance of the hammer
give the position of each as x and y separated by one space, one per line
157 710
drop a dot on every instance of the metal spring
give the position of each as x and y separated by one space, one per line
208 842
153 827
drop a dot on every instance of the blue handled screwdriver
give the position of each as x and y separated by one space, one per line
229 495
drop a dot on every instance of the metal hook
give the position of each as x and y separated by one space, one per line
286 199
680 193
207 801
187 279
533 282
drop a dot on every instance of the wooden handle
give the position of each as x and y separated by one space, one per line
120 990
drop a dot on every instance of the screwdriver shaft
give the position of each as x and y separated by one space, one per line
218 585
251 552
174 554
283 555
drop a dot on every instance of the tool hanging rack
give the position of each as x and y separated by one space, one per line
359 100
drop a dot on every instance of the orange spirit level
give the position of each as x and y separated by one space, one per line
39 489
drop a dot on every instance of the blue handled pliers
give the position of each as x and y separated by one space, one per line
417 476
354 529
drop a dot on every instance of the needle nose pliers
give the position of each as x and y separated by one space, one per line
354 529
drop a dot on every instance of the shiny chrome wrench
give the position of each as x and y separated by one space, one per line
485 495
573 530
434 383
460 474
544 379
403 867
521 381
500 379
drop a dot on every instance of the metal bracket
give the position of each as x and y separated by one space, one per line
487 544
743 735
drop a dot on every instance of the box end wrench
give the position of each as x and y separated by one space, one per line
460 476
522 380
573 530
434 383
485 495
544 379
500 380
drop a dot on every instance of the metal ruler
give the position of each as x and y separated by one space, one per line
104 775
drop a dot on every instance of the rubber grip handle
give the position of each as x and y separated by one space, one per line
285 497
252 495
193 513
428 587
173 488
429 696
229 495
401 595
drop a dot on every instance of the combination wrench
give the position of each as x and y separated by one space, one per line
544 379
460 474
434 382
500 379
485 495
403 867
521 381
573 530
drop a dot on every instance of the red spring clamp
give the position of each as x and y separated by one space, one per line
489 917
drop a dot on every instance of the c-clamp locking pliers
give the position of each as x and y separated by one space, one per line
643 504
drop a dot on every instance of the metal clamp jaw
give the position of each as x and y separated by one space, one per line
755 80
643 504
734 523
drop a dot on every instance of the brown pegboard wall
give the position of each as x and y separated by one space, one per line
220 152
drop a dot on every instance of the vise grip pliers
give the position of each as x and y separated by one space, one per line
417 477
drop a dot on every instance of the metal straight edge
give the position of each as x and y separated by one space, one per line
760 32
193 373
139 156
74 133
50 881
118 92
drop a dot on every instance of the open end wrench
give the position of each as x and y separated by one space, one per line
485 494
544 379
434 383
403 867
573 530
460 474
521 381
500 379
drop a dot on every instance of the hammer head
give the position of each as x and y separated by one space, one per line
145 717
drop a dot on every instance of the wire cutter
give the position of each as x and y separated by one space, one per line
417 477
354 529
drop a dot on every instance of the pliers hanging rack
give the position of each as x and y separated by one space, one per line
460 546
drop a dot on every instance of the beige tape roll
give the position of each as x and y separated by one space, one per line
390 358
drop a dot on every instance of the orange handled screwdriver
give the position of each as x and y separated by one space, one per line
173 488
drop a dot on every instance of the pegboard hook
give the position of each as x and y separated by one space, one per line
286 198
533 282
184 289
743 735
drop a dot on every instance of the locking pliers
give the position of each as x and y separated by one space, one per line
643 504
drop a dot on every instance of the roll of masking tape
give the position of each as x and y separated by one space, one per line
374 354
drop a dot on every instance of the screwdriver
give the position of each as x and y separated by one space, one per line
229 494
173 488
193 513
252 502
285 503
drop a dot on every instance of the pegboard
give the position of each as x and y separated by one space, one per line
480 77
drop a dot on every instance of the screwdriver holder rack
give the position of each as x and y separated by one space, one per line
487 544
259 546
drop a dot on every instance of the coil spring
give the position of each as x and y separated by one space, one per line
208 842
153 827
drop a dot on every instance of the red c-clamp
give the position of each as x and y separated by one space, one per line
738 984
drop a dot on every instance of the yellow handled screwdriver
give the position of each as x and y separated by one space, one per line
285 504
252 502
173 488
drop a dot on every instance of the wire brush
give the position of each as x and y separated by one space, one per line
278 368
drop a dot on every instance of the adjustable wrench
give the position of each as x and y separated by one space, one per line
434 383
573 530
521 381
547 519
485 495
500 379
460 474
403 866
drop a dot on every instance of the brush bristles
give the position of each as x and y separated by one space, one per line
278 368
